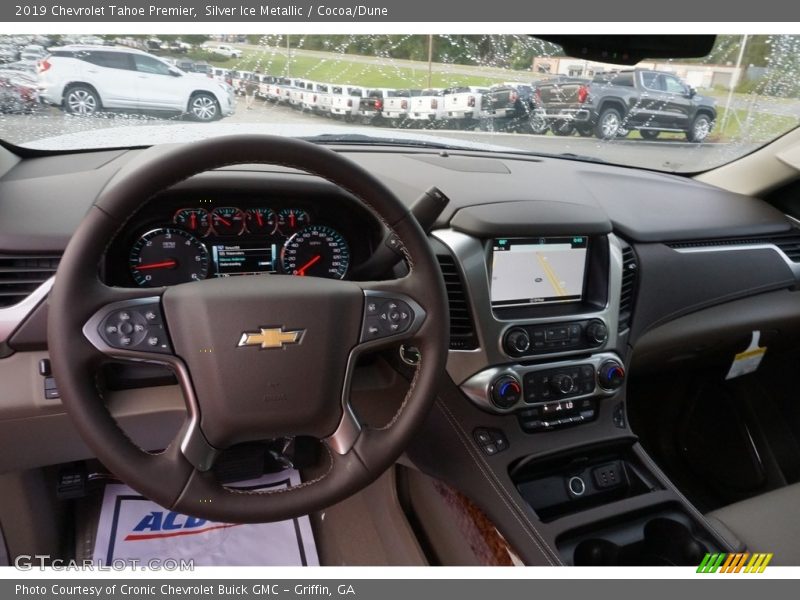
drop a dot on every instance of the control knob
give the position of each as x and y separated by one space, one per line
517 341
597 332
563 383
611 375
506 391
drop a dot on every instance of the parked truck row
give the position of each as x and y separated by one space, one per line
608 106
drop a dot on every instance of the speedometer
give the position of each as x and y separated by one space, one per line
316 251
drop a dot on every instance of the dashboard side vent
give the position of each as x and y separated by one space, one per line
462 328
789 243
630 272
22 274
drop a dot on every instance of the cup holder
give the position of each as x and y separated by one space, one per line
672 542
661 542
596 552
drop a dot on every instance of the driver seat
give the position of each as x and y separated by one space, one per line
766 523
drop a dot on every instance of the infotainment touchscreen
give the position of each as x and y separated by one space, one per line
538 270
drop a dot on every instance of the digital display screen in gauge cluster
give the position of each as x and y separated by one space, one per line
244 258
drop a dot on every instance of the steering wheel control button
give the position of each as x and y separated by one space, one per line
490 441
385 317
135 328
506 391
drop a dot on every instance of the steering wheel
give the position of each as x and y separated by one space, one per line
256 357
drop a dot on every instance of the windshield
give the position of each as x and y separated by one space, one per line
499 93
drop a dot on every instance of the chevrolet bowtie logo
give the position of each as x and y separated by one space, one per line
271 338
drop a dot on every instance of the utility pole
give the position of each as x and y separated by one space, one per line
735 79
430 60
288 56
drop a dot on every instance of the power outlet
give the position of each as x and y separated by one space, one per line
608 476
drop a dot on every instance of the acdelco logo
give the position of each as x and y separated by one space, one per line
735 562
159 524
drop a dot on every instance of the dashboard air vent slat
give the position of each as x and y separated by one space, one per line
630 269
22 274
462 328
789 243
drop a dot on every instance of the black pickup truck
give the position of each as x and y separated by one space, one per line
508 107
612 104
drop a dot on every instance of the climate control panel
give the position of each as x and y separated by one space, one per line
515 388
530 340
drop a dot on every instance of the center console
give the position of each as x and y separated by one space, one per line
545 315
540 398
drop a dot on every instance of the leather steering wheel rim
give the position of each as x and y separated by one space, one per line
174 477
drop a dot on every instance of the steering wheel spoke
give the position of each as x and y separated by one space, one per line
129 325
391 314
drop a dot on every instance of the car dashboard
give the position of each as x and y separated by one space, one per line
563 277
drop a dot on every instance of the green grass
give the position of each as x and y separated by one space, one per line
338 69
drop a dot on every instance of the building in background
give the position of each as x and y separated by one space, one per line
700 76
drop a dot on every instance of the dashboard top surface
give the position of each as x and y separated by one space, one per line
43 199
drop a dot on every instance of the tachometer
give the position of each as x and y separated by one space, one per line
316 251
167 256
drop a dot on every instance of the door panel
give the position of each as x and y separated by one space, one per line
158 88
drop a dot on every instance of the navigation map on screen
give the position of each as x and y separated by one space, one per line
538 270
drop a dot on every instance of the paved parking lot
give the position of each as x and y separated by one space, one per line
660 154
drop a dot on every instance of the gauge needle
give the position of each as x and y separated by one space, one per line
291 219
223 221
259 219
157 265
193 222
302 270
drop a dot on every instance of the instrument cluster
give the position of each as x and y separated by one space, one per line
226 240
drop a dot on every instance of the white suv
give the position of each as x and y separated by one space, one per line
86 79
223 50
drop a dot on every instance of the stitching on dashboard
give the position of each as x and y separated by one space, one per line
538 540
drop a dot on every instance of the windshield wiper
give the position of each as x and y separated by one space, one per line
359 138
581 157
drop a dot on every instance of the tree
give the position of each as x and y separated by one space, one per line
195 40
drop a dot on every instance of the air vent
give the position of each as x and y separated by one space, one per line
789 243
21 274
630 272
462 329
